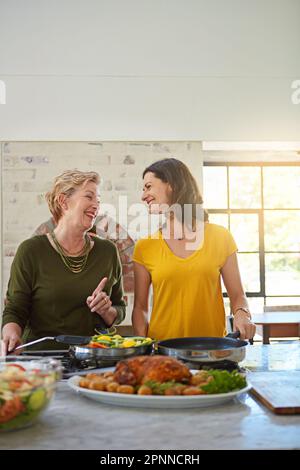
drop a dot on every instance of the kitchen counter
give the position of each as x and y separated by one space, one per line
75 422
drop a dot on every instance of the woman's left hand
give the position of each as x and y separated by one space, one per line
244 325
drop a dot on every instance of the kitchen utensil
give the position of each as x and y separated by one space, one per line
205 349
65 339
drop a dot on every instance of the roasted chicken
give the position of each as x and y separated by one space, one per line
138 370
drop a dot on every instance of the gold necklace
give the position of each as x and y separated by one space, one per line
74 265
77 253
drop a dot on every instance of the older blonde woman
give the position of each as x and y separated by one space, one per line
64 282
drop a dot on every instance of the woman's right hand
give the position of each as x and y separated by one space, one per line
11 338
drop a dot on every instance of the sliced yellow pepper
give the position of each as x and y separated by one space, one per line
128 343
105 338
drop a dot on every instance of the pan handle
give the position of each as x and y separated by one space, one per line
32 342
76 340
236 334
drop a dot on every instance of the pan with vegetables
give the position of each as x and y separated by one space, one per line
110 347
113 347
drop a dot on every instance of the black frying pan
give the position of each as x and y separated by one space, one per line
205 349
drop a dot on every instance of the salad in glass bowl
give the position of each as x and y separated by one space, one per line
27 385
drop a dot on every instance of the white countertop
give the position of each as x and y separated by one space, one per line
75 422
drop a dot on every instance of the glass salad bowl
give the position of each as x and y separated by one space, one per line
27 385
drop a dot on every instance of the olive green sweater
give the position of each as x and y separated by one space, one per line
46 299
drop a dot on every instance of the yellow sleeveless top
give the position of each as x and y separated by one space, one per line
187 294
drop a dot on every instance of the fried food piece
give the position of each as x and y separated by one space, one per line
141 369
93 375
193 391
112 387
179 388
99 385
199 378
84 383
172 391
125 389
144 390
108 375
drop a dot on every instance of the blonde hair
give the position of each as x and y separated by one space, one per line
67 183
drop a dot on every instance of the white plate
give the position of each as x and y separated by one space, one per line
154 401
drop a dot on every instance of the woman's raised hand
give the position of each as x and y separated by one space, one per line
99 301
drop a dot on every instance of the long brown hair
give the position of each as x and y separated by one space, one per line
185 189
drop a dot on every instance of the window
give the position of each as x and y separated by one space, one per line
260 204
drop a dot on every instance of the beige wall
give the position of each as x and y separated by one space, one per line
149 69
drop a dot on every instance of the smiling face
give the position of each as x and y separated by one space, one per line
156 194
82 207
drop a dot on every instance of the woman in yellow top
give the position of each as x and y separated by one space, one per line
184 262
